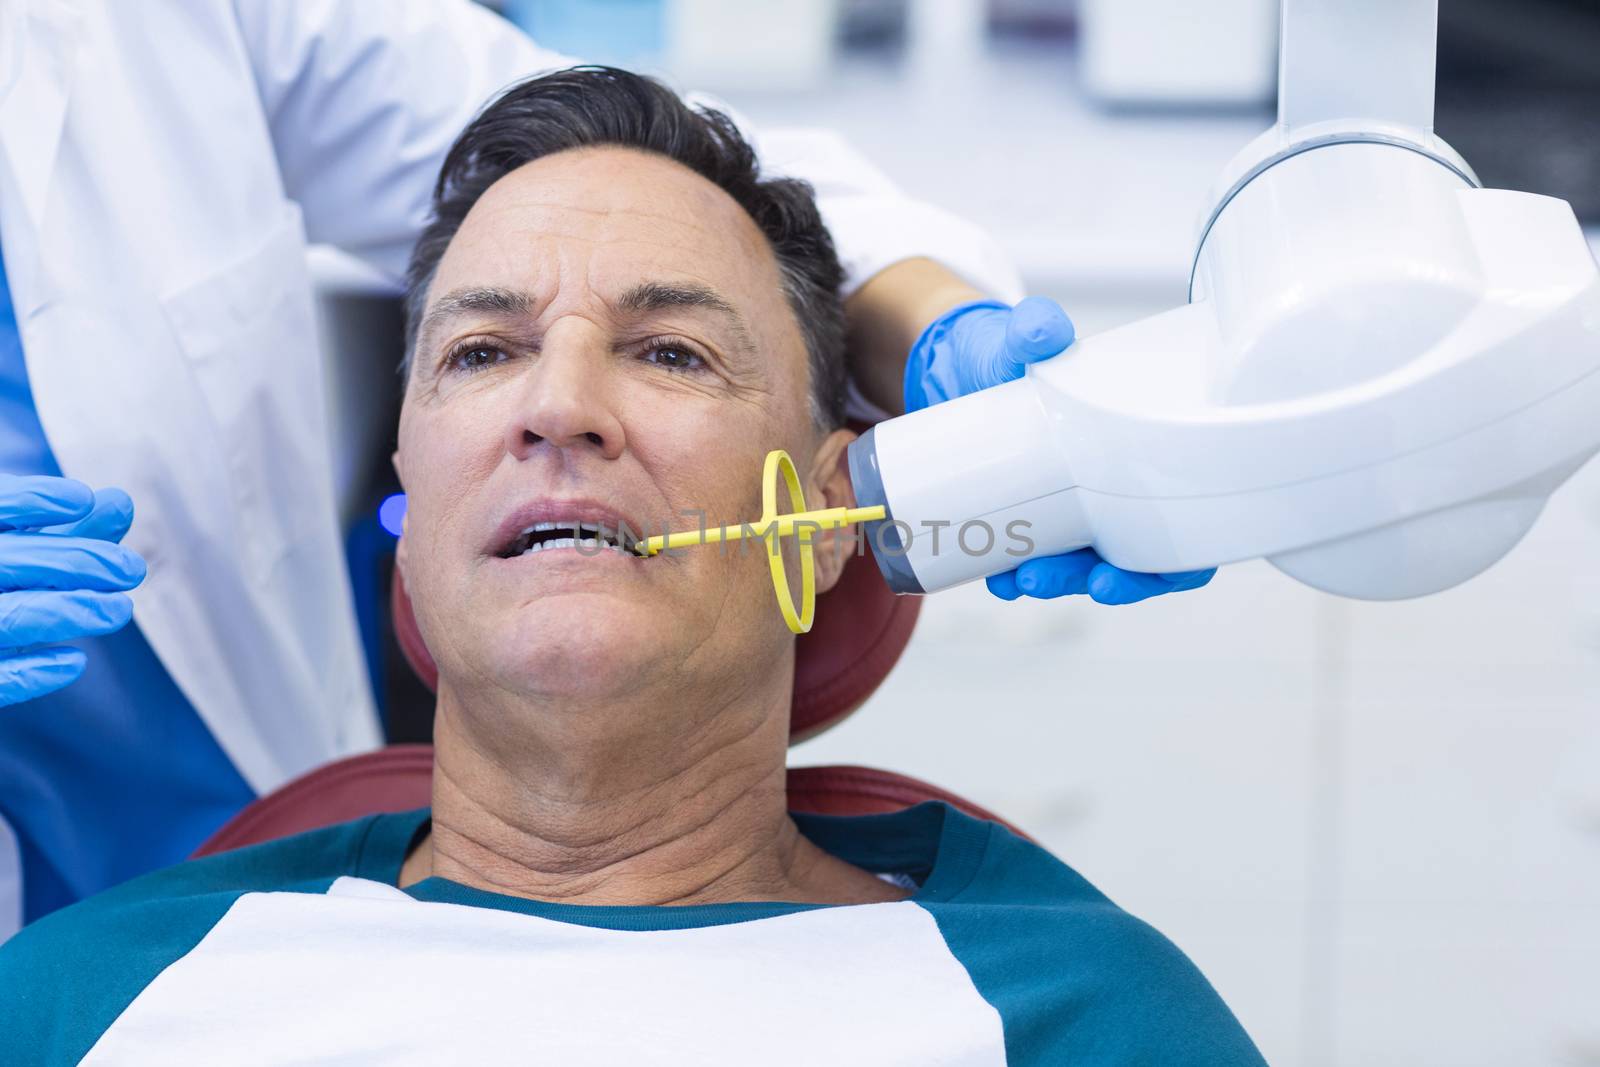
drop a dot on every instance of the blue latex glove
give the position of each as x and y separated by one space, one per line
977 345
62 577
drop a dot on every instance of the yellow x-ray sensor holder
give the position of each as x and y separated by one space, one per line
799 524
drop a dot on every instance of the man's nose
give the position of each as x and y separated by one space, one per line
567 399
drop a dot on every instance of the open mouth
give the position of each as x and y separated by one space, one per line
590 538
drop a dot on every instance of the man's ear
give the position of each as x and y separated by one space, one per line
830 481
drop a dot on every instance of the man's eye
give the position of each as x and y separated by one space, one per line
471 357
674 357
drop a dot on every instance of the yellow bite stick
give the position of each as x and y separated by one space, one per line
800 524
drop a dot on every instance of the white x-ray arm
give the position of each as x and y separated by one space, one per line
1383 371
1352 59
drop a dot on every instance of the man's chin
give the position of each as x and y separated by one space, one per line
589 646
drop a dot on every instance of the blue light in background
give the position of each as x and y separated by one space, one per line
623 33
392 512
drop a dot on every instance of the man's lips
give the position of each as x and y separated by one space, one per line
548 519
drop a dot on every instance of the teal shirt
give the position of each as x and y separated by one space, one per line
1023 961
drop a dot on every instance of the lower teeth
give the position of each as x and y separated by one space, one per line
587 545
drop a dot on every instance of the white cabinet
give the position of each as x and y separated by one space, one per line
1468 929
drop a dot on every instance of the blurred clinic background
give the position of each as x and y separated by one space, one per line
1376 827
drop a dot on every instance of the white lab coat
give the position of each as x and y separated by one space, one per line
162 168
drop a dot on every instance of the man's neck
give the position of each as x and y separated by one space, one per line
696 819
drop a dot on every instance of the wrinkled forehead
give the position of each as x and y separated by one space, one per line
591 223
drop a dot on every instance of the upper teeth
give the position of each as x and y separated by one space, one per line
589 535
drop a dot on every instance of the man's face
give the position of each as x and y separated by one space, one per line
606 341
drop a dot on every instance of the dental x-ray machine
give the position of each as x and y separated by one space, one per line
1382 372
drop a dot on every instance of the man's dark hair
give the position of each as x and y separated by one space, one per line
594 106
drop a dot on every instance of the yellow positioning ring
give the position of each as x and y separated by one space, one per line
778 461
772 528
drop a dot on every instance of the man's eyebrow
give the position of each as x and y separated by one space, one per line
657 296
644 297
470 301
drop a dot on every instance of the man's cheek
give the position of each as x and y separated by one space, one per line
422 542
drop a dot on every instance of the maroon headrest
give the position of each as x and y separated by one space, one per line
861 628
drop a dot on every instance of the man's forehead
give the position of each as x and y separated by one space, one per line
615 193
620 217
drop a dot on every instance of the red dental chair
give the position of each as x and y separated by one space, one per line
861 629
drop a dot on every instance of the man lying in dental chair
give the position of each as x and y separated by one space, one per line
613 319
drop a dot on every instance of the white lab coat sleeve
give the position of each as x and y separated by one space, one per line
365 98
873 223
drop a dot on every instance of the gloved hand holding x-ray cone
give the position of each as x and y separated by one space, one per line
62 577
986 343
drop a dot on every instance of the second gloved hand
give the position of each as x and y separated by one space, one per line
978 345
61 585
974 346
